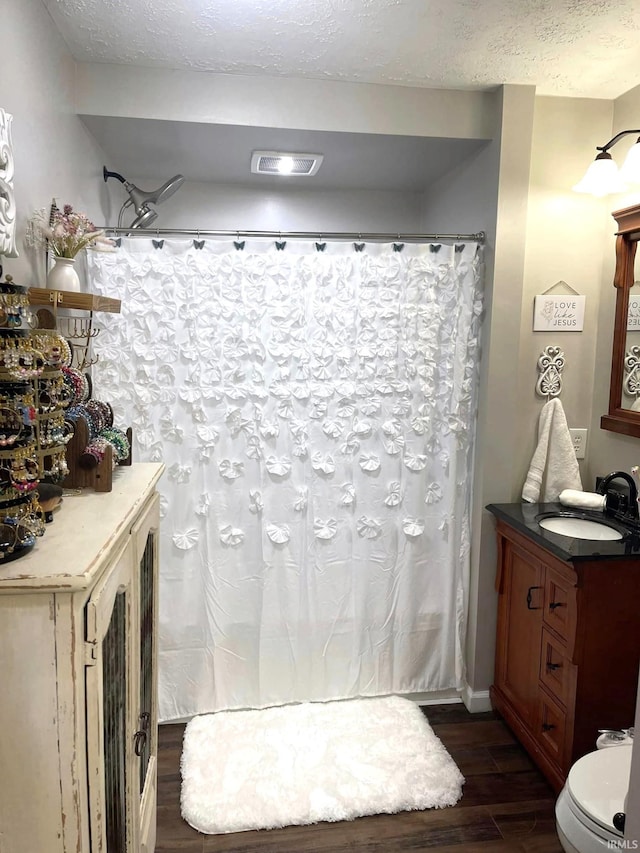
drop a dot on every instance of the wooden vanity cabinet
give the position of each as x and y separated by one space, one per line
567 649
78 708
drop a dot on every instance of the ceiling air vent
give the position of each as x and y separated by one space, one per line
285 163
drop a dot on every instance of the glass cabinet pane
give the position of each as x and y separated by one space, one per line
114 690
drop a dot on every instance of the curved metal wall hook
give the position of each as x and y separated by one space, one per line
550 367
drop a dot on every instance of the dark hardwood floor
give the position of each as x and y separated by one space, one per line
506 806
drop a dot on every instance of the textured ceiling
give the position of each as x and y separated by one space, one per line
587 48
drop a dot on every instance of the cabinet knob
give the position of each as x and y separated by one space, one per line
546 727
553 665
555 604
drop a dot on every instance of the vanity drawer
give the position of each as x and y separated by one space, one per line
559 604
555 668
551 724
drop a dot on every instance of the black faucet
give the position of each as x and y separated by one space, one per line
618 502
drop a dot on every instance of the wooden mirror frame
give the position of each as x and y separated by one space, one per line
622 420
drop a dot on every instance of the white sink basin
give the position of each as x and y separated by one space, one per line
580 528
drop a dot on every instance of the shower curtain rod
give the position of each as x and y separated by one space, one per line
292 235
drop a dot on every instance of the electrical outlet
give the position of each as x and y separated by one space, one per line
579 439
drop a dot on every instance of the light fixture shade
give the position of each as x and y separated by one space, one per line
601 178
630 171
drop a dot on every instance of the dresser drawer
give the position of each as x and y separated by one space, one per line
550 725
559 604
555 668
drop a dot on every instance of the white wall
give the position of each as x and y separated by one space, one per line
55 156
497 439
210 206
262 101
466 200
566 241
610 451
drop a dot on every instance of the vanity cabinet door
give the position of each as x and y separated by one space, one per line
568 641
109 679
78 618
144 536
520 612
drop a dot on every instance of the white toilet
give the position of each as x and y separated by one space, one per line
596 788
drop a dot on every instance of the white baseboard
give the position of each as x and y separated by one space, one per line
476 701
437 697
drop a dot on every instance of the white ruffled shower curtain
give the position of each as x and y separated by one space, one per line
314 405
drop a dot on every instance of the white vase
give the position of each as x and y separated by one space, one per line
62 275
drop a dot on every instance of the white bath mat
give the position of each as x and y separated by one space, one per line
317 761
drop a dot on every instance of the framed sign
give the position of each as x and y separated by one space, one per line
558 313
633 313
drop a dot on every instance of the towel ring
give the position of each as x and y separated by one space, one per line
550 367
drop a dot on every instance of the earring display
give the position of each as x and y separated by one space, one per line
93 444
23 365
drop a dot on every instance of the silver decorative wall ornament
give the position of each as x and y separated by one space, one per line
632 372
7 196
550 367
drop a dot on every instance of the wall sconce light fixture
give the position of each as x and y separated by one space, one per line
602 177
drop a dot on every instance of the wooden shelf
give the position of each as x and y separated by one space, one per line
71 299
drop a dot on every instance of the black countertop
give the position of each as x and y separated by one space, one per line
522 517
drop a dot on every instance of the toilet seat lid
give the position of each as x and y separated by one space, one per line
598 783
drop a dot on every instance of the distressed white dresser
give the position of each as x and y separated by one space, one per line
78 707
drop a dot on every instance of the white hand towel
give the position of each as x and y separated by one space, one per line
554 460
583 500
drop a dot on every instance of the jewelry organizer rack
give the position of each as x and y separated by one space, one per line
87 469
20 461
79 330
95 446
